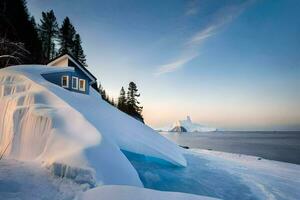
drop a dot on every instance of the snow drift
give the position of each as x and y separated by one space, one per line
133 193
189 126
76 135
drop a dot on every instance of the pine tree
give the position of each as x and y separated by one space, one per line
133 107
122 100
102 93
77 50
95 86
66 37
17 26
32 21
48 30
112 102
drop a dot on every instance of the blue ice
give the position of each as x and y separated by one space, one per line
205 176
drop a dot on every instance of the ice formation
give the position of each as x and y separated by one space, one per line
76 135
189 126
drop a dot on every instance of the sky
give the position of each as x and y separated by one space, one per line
230 64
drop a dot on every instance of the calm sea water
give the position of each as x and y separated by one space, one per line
280 146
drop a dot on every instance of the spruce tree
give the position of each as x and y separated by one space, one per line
77 50
48 30
133 107
122 100
66 37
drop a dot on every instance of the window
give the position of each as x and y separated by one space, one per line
65 81
82 85
74 82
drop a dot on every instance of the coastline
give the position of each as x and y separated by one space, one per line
281 146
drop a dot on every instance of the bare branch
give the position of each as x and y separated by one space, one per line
12 52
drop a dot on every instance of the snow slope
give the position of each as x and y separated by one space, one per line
76 135
191 126
134 193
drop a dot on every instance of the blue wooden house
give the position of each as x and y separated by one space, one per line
78 79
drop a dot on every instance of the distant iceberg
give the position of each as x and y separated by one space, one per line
189 126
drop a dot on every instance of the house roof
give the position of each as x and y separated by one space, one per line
76 62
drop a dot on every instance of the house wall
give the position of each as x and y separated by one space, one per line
56 78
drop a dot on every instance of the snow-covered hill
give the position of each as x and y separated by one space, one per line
189 126
76 135
59 144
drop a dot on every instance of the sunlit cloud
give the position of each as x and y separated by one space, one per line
175 65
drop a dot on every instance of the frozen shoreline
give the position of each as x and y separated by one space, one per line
209 174
224 175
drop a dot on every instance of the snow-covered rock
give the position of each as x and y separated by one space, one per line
189 126
76 135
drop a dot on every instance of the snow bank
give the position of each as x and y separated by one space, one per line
134 193
37 125
190 126
75 133
29 181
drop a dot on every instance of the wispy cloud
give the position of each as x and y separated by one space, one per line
221 17
175 65
192 7
202 35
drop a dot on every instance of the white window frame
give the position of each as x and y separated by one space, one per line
76 79
84 85
62 81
